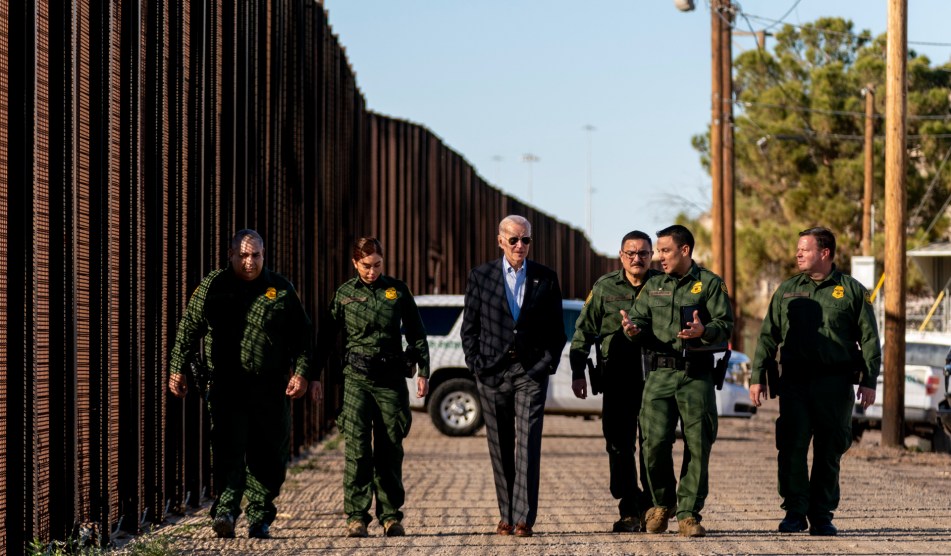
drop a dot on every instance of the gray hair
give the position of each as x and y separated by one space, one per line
517 220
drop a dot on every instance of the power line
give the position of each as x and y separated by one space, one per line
840 33
785 15
927 194
800 108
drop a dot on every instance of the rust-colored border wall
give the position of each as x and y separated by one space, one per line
135 138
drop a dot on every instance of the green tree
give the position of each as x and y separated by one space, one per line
799 129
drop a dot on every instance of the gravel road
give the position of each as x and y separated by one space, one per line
893 501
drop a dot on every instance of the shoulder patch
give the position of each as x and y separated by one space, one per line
723 288
868 298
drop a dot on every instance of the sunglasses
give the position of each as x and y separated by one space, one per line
527 240
642 254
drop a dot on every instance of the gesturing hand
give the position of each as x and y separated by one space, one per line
694 329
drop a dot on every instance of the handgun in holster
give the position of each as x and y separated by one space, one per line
719 370
200 373
596 369
772 377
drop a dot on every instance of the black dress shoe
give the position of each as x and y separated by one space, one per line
822 527
223 526
259 531
793 523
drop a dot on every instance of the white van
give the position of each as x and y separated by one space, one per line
925 391
453 401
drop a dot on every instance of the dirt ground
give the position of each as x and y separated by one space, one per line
893 501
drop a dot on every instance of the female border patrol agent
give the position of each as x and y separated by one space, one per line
370 308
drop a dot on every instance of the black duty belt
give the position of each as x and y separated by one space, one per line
670 362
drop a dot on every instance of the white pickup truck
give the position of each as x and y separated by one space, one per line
926 395
453 401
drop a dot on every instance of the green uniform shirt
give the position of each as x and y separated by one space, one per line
258 326
370 316
820 326
658 309
601 317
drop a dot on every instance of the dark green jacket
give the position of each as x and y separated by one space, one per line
601 317
658 309
258 327
820 327
371 316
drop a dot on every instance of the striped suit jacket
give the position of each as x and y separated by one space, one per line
489 332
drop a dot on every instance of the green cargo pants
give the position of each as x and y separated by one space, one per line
670 395
250 446
817 409
623 391
375 419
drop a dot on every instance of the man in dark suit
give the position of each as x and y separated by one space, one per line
512 335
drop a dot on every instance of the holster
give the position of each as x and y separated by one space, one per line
772 378
596 370
594 373
719 370
200 375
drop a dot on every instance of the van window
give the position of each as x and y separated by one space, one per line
925 354
438 321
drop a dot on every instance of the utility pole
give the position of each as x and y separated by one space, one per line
588 189
530 159
896 105
869 93
726 127
716 137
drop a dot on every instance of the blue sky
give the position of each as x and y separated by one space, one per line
501 78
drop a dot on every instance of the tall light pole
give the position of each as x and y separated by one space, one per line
588 189
530 159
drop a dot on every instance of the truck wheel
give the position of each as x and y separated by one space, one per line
941 441
858 429
455 408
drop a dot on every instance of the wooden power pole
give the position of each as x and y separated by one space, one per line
895 223
728 243
869 92
722 211
716 136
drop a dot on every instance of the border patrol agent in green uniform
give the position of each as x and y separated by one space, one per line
680 383
620 371
256 332
824 323
375 417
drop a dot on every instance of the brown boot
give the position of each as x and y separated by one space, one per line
656 519
356 528
690 527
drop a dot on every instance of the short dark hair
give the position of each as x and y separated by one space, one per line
366 246
636 234
680 234
241 234
825 239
